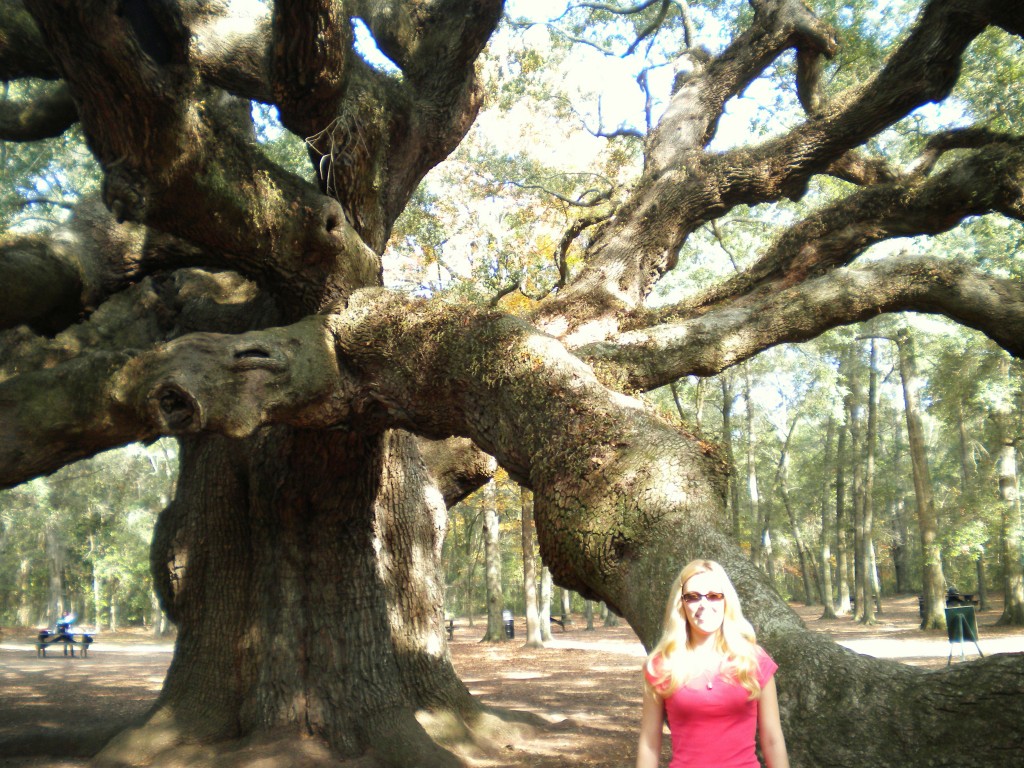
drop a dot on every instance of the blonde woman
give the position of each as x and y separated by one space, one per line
711 679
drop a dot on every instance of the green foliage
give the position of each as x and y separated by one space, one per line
464 554
41 180
84 528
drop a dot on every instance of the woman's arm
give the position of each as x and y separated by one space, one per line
648 751
769 727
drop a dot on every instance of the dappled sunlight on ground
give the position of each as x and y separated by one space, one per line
586 684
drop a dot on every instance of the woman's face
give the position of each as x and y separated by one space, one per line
703 602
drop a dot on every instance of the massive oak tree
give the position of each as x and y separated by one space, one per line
325 421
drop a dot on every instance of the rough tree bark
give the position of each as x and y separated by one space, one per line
229 302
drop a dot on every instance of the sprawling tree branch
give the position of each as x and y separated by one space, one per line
685 187
173 146
990 179
711 342
387 361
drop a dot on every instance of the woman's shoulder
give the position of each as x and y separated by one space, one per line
654 666
766 665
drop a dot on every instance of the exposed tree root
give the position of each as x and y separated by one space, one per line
436 738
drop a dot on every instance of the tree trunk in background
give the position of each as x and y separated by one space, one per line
533 631
97 586
931 552
871 587
902 547
1013 583
471 554
876 584
854 401
588 614
966 466
610 618
825 548
1009 497
782 481
728 400
767 542
545 604
843 584
967 501
24 601
55 559
566 598
979 564
756 513
492 569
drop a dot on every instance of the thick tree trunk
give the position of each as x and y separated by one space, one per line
313 606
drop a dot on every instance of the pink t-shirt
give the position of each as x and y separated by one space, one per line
714 727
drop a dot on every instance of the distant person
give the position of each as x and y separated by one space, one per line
711 680
64 623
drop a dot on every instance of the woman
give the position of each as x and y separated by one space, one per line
711 679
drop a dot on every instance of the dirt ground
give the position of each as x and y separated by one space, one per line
586 683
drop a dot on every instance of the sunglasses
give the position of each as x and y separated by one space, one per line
691 598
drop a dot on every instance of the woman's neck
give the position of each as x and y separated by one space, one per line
703 644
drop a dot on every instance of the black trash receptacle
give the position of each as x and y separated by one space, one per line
510 625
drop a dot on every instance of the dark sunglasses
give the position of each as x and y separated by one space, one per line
694 597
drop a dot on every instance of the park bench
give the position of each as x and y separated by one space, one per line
559 622
450 627
65 637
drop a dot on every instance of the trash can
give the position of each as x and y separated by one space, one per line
510 625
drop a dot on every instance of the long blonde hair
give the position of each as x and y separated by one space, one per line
735 639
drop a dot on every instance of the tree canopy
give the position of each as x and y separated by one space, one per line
215 290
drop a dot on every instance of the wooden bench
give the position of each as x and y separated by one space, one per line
559 622
450 627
